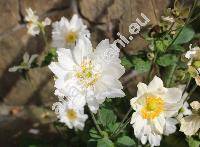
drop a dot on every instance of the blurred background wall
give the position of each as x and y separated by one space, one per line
103 17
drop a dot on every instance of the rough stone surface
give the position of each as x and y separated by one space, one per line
9 14
118 15
103 17
14 42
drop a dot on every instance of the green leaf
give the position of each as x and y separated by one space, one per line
94 134
193 142
126 63
186 35
113 127
141 65
161 45
167 60
106 117
52 55
105 142
125 141
178 48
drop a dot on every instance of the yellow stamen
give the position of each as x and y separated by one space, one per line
153 107
86 74
71 114
71 37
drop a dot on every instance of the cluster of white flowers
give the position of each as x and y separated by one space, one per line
82 76
34 25
85 75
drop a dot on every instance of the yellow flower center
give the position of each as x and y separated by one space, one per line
153 107
86 75
71 114
71 37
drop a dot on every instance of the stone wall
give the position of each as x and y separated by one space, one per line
104 18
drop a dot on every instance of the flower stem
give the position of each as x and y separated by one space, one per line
122 127
96 124
170 77
44 36
187 85
149 76
191 92
121 124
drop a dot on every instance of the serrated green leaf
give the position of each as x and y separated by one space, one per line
105 142
125 141
161 45
186 35
94 134
141 65
167 60
113 127
106 117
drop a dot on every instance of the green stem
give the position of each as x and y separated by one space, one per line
120 125
170 77
187 85
44 36
149 76
191 92
96 124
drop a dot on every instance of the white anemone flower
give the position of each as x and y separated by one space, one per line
34 25
154 108
84 74
191 124
72 115
66 33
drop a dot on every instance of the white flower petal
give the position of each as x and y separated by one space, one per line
154 139
142 88
65 59
170 126
155 85
82 50
173 95
190 124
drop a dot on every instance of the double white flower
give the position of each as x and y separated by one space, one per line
34 25
83 74
154 108
66 33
